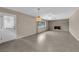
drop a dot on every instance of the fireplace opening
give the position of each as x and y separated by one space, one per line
57 27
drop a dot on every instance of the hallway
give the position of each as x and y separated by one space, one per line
44 42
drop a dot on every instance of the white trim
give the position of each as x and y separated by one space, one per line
19 37
74 35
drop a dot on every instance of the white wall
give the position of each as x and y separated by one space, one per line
74 24
26 25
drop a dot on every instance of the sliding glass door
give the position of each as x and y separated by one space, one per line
7 27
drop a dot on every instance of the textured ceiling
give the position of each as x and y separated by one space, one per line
48 13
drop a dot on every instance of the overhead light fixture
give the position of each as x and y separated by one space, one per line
38 18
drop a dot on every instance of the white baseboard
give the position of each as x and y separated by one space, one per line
25 36
74 35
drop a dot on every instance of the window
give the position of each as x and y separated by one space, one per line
41 25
